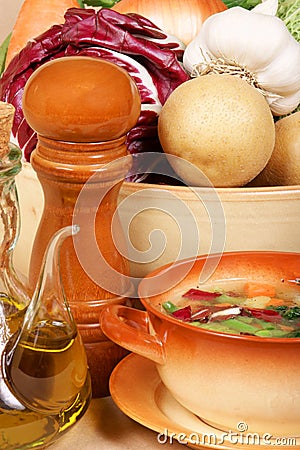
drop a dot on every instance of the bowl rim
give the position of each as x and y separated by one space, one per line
214 334
226 196
235 191
245 190
236 194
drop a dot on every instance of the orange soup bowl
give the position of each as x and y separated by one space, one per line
225 379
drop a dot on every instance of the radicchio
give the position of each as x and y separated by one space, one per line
268 315
183 314
198 294
151 57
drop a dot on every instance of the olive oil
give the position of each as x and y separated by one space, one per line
48 367
11 316
45 385
24 429
51 386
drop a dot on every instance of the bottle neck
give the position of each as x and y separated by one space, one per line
10 166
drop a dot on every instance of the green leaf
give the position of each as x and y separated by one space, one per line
288 312
294 334
103 3
289 12
247 4
169 307
3 52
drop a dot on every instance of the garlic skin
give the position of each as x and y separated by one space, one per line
255 45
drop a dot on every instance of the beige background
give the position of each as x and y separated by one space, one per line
8 13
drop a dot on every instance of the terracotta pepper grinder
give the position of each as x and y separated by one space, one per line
81 109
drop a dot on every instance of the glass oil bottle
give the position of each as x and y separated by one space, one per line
44 380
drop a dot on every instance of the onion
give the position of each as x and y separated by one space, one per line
180 19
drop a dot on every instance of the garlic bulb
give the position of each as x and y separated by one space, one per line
255 45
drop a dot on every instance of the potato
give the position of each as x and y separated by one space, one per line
222 125
283 167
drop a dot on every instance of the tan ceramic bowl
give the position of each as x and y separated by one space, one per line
197 221
228 380
168 223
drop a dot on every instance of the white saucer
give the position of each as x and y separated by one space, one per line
136 389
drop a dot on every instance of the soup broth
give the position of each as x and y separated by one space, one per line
240 307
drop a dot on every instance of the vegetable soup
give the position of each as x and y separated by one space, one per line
240 307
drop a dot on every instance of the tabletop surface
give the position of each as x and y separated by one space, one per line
104 426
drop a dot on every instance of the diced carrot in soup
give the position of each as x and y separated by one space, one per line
275 302
253 289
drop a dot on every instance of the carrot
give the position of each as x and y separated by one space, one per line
275 302
253 289
35 17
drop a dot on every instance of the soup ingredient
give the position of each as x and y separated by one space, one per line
220 124
275 302
288 312
183 314
242 43
170 307
180 19
197 294
283 168
35 17
149 55
296 281
229 311
268 315
256 302
253 289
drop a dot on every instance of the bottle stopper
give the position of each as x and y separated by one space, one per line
7 112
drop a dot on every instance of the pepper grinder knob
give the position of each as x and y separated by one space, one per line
81 99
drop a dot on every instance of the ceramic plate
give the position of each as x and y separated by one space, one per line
136 388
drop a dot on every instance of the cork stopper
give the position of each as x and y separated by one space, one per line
7 112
